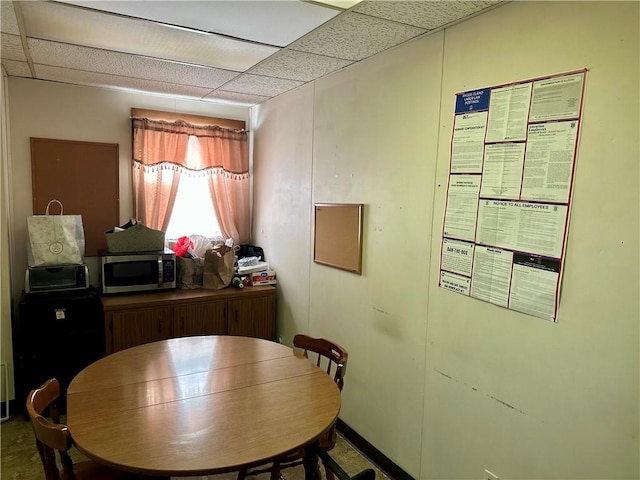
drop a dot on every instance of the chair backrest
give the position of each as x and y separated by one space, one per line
327 352
50 437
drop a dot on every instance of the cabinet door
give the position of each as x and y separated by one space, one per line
135 327
253 317
200 319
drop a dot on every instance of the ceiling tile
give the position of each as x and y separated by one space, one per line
12 48
67 24
104 61
234 97
425 14
79 77
353 36
269 22
299 65
16 69
8 21
259 85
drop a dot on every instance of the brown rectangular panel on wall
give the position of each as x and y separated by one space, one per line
338 236
84 177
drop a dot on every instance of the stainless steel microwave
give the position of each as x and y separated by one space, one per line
138 272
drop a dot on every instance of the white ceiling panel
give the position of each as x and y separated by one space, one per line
353 36
273 23
234 97
17 69
259 85
80 77
429 14
8 21
299 65
12 48
123 64
67 24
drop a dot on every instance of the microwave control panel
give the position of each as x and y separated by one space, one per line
168 271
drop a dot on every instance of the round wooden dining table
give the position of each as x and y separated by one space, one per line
200 405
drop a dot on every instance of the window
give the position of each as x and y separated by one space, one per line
193 211
191 179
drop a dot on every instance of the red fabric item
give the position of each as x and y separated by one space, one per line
182 246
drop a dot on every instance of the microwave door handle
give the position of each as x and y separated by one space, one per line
160 272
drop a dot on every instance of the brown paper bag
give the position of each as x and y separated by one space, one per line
189 272
218 267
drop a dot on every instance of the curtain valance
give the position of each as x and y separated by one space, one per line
156 141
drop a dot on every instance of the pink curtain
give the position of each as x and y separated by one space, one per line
161 154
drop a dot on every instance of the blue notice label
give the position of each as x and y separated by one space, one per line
473 100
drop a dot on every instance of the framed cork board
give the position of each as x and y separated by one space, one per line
84 177
338 236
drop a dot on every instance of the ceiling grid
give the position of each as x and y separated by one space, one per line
241 52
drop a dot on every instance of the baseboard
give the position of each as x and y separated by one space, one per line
387 466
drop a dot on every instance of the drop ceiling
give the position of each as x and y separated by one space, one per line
236 51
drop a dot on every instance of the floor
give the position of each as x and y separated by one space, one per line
19 459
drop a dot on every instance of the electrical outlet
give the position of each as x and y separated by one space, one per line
489 475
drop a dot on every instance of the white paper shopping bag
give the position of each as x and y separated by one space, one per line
55 239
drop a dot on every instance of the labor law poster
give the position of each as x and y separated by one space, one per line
512 164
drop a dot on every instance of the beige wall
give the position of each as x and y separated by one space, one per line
52 110
445 385
285 182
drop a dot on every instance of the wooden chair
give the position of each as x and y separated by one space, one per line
332 358
52 436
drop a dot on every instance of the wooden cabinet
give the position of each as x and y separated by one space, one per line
200 319
135 327
142 318
246 317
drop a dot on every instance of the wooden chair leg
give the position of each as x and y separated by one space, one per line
275 471
328 473
310 462
48 457
242 474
